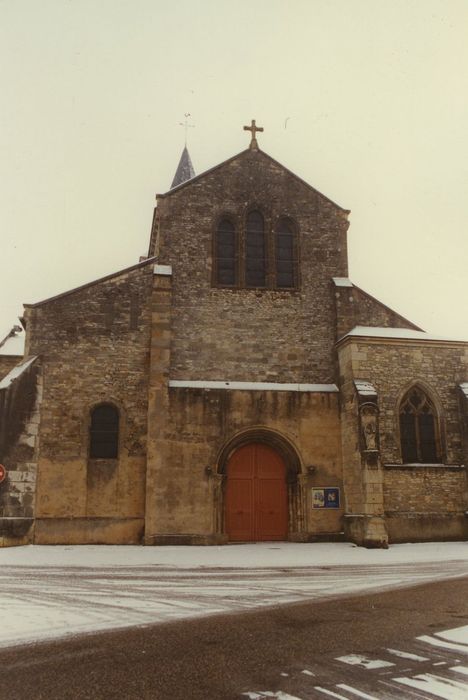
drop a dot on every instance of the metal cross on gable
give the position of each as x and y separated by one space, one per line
253 128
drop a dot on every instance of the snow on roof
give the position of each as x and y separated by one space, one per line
13 343
16 372
251 386
364 388
162 270
342 282
400 333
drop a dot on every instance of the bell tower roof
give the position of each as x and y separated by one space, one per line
184 170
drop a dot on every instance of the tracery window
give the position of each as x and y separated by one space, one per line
418 428
255 255
104 432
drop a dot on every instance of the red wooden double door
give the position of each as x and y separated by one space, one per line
256 499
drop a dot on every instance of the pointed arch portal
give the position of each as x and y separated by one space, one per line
256 502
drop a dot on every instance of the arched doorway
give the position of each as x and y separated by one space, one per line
256 497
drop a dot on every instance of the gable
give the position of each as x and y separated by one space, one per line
251 179
250 157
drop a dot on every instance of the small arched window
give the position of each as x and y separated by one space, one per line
226 249
255 262
104 432
418 428
285 254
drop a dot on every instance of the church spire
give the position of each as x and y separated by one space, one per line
184 170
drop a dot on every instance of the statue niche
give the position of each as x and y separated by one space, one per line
369 414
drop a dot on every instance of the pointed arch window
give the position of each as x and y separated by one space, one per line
418 428
104 432
226 253
255 259
285 254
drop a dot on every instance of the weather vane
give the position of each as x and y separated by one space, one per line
186 125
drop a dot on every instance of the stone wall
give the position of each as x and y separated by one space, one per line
19 424
94 344
421 501
354 307
362 468
185 496
189 429
428 489
425 503
393 365
123 339
240 334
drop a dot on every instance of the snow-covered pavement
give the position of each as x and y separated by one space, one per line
54 591
387 673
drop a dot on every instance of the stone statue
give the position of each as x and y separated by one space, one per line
369 428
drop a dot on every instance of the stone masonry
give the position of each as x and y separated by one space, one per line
197 371
416 501
240 334
94 346
20 405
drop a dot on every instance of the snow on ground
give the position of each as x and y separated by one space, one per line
52 591
269 554
386 673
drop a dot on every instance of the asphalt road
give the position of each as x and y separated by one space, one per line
227 655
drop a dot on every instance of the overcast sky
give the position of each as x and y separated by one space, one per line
367 100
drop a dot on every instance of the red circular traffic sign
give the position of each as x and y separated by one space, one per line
3 472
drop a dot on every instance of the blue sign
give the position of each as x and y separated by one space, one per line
326 497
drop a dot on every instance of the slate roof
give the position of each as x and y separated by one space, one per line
184 170
16 372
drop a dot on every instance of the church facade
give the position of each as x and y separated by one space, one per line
233 386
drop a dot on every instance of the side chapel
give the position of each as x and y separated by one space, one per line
233 386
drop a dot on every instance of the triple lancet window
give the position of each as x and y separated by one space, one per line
255 251
254 256
418 429
104 432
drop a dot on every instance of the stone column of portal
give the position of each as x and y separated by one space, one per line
158 397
